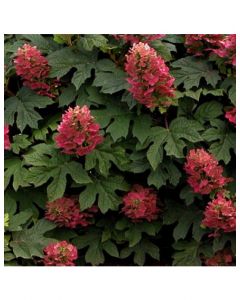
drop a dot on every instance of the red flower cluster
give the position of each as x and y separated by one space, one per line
7 144
136 38
223 46
66 212
197 44
140 203
34 70
151 83
231 115
78 133
227 49
205 173
220 213
221 258
60 254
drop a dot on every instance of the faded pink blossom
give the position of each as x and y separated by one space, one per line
151 83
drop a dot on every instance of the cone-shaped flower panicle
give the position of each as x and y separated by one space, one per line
78 132
205 175
60 254
65 212
220 214
222 45
149 78
140 204
34 70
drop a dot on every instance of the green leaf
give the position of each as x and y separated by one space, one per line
83 72
102 156
158 136
62 61
20 141
135 231
92 240
19 219
22 107
139 163
141 127
67 96
179 129
189 70
223 140
110 248
162 49
185 218
166 171
116 117
127 97
229 86
93 40
14 168
193 94
44 45
63 38
109 77
103 191
208 111
220 242
57 167
232 94
188 195
10 203
187 254
182 128
43 131
27 198
30 242
140 250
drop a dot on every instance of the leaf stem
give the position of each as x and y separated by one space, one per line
166 121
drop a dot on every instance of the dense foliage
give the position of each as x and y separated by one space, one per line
120 150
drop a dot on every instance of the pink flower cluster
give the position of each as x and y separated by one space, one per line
34 70
231 115
205 175
221 258
60 254
220 44
136 38
66 212
140 203
151 83
7 144
78 132
227 49
220 213
197 44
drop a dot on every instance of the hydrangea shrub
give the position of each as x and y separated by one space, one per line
120 150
